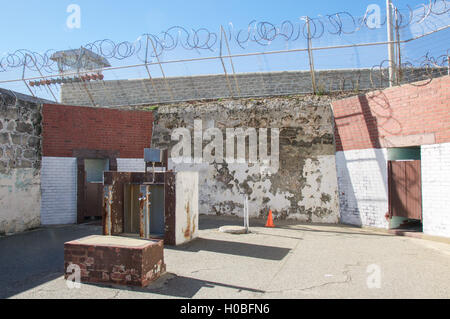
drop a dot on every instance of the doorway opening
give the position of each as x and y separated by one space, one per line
133 195
94 169
405 189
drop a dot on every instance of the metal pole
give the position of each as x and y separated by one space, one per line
391 45
448 63
246 214
23 76
107 201
149 75
399 55
311 57
147 211
42 77
87 90
223 63
232 66
162 71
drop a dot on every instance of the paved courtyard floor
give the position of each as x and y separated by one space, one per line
291 261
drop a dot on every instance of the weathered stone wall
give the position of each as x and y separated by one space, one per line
20 162
144 91
304 188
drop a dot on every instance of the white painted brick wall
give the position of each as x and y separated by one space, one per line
59 191
59 187
436 189
363 187
131 165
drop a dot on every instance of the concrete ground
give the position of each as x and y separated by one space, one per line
291 261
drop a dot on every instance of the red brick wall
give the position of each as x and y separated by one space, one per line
66 128
368 121
115 264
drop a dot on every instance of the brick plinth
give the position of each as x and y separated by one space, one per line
115 260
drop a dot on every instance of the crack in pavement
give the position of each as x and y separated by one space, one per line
281 267
345 272
206 269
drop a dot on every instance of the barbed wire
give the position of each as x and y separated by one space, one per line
150 46
417 72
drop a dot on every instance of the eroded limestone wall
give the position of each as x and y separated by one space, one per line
20 163
305 186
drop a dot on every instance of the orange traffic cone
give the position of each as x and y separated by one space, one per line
270 223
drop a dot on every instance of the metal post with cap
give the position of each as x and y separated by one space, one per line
391 45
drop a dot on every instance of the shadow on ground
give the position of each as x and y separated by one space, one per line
32 258
172 285
234 248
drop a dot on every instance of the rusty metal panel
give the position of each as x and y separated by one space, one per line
144 211
414 189
117 181
107 210
398 189
405 189
170 207
117 212
141 215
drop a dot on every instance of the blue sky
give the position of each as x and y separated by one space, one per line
41 24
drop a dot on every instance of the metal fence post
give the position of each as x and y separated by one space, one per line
391 46
448 63
149 74
23 76
311 57
169 89
399 53
222 34
232 67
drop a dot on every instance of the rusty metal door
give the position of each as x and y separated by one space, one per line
94 199
405 189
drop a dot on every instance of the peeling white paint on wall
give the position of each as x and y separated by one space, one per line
213 194
20 196
320 191
306 156
321 182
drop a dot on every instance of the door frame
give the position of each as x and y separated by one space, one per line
81 155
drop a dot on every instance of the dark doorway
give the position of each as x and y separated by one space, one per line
132 193
94 169
91 166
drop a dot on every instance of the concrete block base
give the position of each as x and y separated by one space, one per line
115 260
